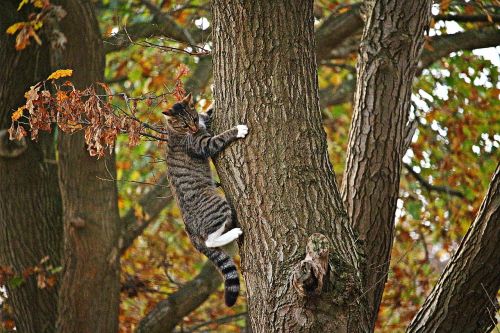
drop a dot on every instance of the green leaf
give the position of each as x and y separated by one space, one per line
414 208
16 281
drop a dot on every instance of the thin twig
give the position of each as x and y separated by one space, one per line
384 275
130 181
146 43
431 187
495 306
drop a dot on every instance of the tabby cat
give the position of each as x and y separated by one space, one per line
209 219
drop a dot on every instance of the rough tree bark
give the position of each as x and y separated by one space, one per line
392 41
472 275
89 294
30 202
279 178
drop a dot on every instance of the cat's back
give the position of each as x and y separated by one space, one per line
185 170
178 156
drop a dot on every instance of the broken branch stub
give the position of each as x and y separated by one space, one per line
309 274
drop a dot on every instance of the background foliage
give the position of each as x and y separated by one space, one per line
454 151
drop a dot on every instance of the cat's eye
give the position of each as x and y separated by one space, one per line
185 126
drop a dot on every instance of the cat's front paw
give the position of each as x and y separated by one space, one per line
242 131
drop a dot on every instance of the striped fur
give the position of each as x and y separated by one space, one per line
207 215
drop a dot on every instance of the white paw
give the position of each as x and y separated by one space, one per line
242 132
236 232
224 239
231 235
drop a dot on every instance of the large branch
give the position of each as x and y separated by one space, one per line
392 41
465 297
431 187
468 18
161 25
441 46
438 47
336 29
168 313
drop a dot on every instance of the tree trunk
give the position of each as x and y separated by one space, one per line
465 297
89 295
30 202
392 40
279 177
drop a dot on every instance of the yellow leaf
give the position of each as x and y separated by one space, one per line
21 4
38 3
37 25
138 212
13 28
60 73
336 80
18 113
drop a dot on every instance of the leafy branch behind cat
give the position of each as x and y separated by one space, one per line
72 110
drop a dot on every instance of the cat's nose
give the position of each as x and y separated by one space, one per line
194 128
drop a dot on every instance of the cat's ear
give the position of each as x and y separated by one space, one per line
188 99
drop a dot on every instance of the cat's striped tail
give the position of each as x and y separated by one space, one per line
226 266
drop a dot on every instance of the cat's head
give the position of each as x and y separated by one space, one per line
182 117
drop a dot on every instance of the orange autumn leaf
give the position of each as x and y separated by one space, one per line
17 114
14 27
9 324
344 9
60 73
61 96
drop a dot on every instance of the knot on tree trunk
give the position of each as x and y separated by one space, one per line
309 274
78 222
11 148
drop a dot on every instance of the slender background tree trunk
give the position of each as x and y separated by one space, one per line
30 202
279 177
392 40
89 296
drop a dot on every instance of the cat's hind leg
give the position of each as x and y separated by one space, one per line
224 239
214 235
